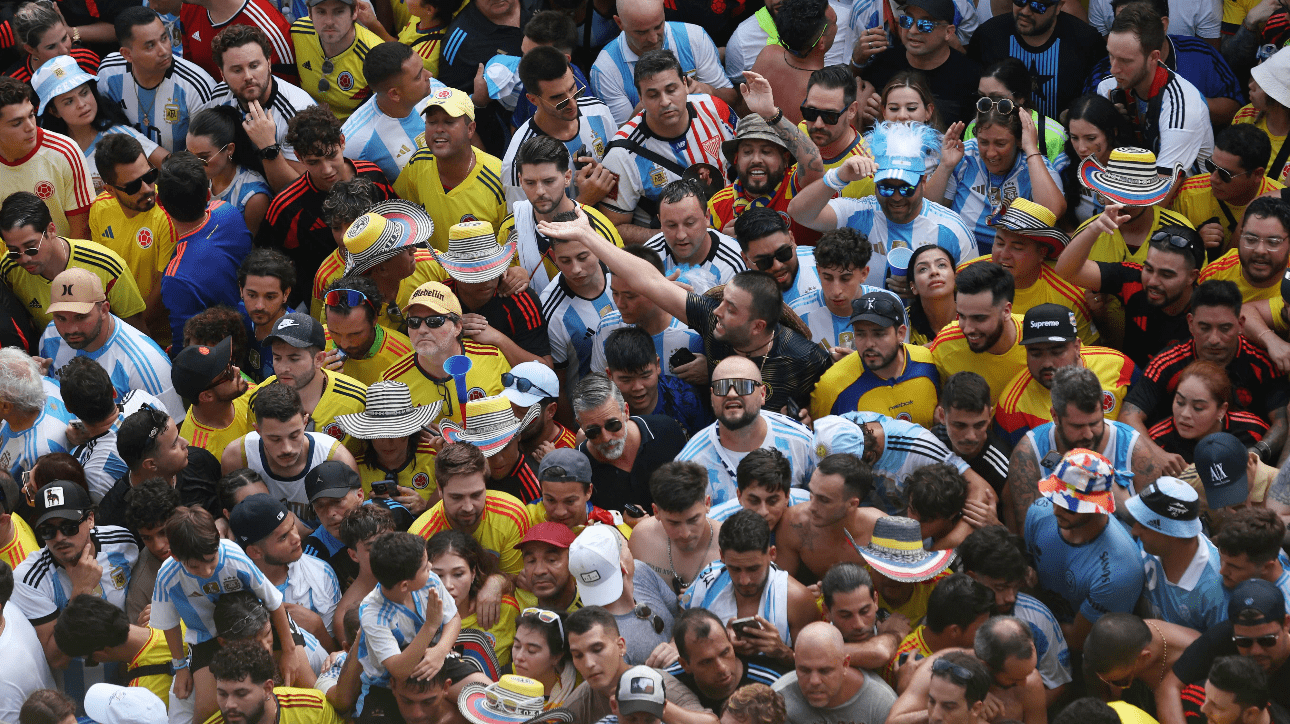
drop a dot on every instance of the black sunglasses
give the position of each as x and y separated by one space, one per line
434 321
644 613
781 255
1264 642
327 67
960 675
133 187
742 387
810 114
68 528
1223 174
611 425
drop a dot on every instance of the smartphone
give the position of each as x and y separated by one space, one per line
385 488
680 357
1119 96
579 165
634 510
741 625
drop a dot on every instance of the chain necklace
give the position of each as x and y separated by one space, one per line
1164 653
676 577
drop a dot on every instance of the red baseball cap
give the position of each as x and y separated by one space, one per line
556 534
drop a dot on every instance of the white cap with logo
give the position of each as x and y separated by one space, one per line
641 690
595 564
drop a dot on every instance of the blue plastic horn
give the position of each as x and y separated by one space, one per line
457 366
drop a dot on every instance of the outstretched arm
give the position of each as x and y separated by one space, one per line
810 207
1073 264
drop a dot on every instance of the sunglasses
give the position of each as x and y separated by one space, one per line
346 298
28 251
133 186
644 613
1264 642
742 387
578 90
327 68
1035 6
924 25
887 190
781 255
810 115
1223 174
960 675
207 159
68 528
593 431
228 374
434 321
1122 683
545 616
1005 105
522 384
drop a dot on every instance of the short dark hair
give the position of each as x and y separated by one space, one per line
835 77
655 62
679 485
182 186
765 467
23 208
937 491
211 325
1115 640
89 624
1247 142
550 28
799 21
239 615
843 248
699 622
1255 533
358 283
397 557
6 583
640 251
364 522
266 262
542 149
46 706
1001 638
235 36
348 200
957 600
1160 6
191 533
116 149
227 486
582 621
629 349
986 276
1218 293
384 62
243 659
1143 21
1194 252
975 688
278 401
315 131
1088 710
1241 677
222 125
759 222
150 504
136 439
87 390
857 476
1264 207
1078 386
679 190
457 459
544 63
14 91
967 391
744 532
130 18
844 577
994 551
767 300
450 541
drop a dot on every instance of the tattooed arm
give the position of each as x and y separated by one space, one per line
1275 437
761 100
1278 499
1023 483
1144 463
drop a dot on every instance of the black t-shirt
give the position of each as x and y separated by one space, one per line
471 39
753 674
195 483
661 441
1257 385
718 17
1193 666
953 83
1149 330
518 316
1246 427
1058 68
521 482
991 464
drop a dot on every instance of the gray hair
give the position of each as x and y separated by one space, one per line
1001 638
20 380
1076 385
592 392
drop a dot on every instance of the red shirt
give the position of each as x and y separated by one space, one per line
199 31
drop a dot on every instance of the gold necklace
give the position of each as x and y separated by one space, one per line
1164 652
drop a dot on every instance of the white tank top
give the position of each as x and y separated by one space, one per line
289 490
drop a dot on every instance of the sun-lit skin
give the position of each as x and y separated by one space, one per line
1263 249
352 332
829 504
293 365
246 71
149 50
1078 429
531 656
933 275
765 248
1089 140
54 42
1245 183
735 411
598 657
544 185
243 702
760 166
447 136
769 504
457 577
821 665
905 104
879 347
580 268
825 136
1196 412
88 331
546 567
1130 67
638 387
17 130
981 320
566 503
265 299
1022 256
285 444
642 26
334 23
688 529
854 613
464 498
331 511
609 445
1043 359
998 148
327 168
685 229
711 660
663 97
171 452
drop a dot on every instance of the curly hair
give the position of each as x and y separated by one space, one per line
211 326
315 131
150 504
757 704
235 36
242 659
364 522
348 200
843 248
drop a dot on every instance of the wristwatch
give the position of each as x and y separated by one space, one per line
268 153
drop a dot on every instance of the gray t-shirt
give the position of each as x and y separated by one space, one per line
589 706
650 589
870 705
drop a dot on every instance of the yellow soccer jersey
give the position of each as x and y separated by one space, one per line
417 473
145 241
1052 289
428 269
56 171
344 88
214 440
387 348
503 632
1111 247
154 653
599 224
342 395
951 354
479 198
1228 266
528 599
483 380
503 525
33 290
297 706
856 189
1025 404
1196 201
1234 12
22 545
424 43
1250 114
911 395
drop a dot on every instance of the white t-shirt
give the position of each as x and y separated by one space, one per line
1186 17
27 669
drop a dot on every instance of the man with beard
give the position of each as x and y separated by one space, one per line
541 388
545 581
1052 342
1155 292
357 344
298 343
242 54
851 605
885 374
738 397
208 379
1214 201
829 115
842 259
330 41
264 282
926 28
245 675
1259 260
767 244
133 225
815 536
710 666
687 241
85 326
744 584
1217 330
984 337
383 129
1078 422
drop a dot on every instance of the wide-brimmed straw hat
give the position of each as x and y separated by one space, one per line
384 231
1130 177
1035 222
490 424
896 551
512 700
473 253
389 413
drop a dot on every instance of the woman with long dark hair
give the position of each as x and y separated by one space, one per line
216 137
931 306
463 565
1009 79
1093 127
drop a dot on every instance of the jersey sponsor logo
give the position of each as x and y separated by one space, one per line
119 577
345 81
420 481
44 189
1108 401
334 430
144 238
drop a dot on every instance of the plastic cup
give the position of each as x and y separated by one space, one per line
898 261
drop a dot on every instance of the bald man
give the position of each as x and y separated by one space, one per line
737 394
824 687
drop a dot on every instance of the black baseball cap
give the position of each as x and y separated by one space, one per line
331 479
1255 602
939 9
1049 323
881 308
298 330
565 465
62 499
256 517
198 365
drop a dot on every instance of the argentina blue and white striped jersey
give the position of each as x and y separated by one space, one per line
48 434
1118 443
796 496
246 183
1197 600
388 627
867 14
285 101
935 224
181 596
907 447
1053 656
92 165
724 258
312 584
572 321
783 433
807 279
290 491
1180 133
132 360
160 113
388 142
676 336
98 456
713 590
42 587
975 193
612 75
596 127
711 123
827 328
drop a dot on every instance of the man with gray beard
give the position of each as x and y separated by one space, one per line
624 449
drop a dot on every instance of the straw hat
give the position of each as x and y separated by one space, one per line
1130 177
896 551
512 700
384 231
1035 222
490 424
389 413
473 253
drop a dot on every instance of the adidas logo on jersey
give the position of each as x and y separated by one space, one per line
197 35
307 65
107 233
34 304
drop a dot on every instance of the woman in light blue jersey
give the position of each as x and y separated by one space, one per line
1093 127
1009 78
215 136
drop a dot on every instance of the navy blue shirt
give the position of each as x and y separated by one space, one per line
678 400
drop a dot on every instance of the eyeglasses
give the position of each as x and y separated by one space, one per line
578 90
327 68
1264 642
133 187
207 159
960 675
985 103
1223 174
347 298
1035 6
28 250
1272 242
434 321
644 613
742 387
68 528
887 190
924 25
831 118
522 384
545 616
781 255
592 432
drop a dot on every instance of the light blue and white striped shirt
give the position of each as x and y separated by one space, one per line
312 584
612 75
1198 600
388 142
596 128
388 627
935 224
787 435
19 451
572 322
975 193
676 336
796 496
42 587
246 183
827 328
807 279
160 113
908 446
181 596
725 259
1053 656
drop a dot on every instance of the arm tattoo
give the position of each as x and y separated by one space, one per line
1023 480
801 146
1145 466
1279 490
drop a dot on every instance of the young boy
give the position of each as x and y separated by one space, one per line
411 605
764 480
202 567
99 632
357 531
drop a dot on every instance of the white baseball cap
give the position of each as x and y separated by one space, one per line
641 690
112 704
594 563
529 383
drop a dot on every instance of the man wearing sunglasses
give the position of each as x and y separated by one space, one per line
357 344
208 379
534 383
927 31
957 690
330 49
1122 649
1215 202
829 112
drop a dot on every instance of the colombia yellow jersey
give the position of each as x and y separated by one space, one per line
1228 266
342 395
911 395
913 648
599 224
214 440
22 545
503 632
478 198
595 515
1111 247
856 189
155 653
1052 289
1196 202
503 525
297 706
345 87
1025 404
417 473
387 348
428 269
951 354
483 380
145 241
117 277
1250 114
425 43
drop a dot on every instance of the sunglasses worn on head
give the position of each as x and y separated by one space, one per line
1264 642
924 25
781 255
958 674
68 528
887 191
592 432
985 103
433 321
545 616
1223 174
810 114
522 384
346 298
742 387
133 187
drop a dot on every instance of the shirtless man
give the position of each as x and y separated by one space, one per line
828 529
680 540
1122 648
789 68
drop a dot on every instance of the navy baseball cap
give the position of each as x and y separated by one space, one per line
256 517
1255 602
1220 464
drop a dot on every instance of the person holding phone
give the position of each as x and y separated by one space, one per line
396 462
